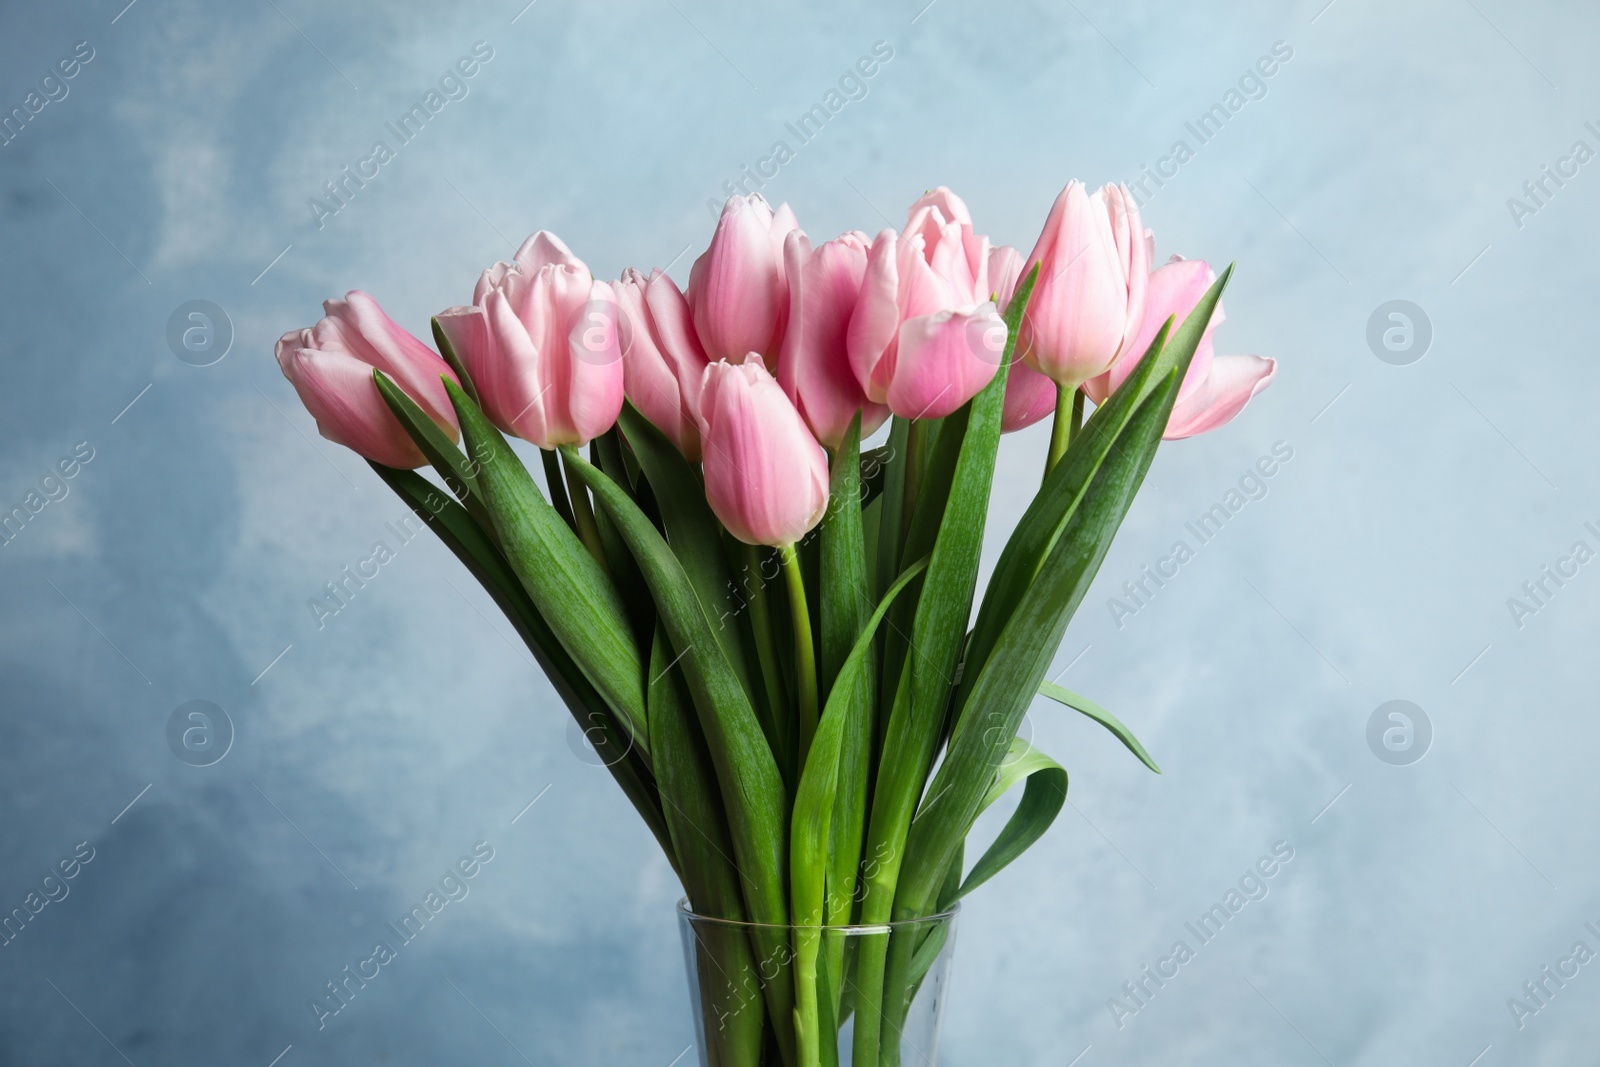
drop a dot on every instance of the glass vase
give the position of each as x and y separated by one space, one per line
817 996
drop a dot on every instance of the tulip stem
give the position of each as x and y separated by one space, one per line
777 721
805 656
583 513
1069 420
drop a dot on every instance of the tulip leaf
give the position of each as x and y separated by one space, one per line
999 689
874 462
452 357
692 531
1042 799
699 829
843 580
457 471
450 521
606 453
557 487
570 589
1101 716
752 790
814 810
1064 486
949 518
813 803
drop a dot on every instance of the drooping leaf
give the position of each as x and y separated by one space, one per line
1044 794
1101 716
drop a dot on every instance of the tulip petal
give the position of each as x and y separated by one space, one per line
337 389
1030 396
876 319
1226 390
766 476
944 360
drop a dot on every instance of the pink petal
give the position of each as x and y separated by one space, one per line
1224 392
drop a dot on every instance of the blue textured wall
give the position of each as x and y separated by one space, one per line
375 752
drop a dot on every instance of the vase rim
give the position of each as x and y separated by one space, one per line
854 930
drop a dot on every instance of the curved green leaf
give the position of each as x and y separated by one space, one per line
1101 716
1042 798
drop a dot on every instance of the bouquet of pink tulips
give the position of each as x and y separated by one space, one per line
767 631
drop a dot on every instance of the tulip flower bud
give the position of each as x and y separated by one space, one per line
662 362
542 346
1089 300
814 368
766 476
1216 388
944 360
331 365
938 266
737 288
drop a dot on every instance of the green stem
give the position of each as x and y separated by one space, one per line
779 733
558 493
1069 419
807 1020
583 514
805 656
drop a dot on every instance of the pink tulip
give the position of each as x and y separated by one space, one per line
1089 301
939 265
330 367
737 288
662 362
1216 388
813 367
766 476
541 345
944 360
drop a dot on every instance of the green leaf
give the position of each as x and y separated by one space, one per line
1064 486
814 800
814 807
1042 798
844 611
692 531
449 520
573 594
460 475
606 453
448 351
699 829
947 524
950 516
1001 687
752 790
1101 716
874 464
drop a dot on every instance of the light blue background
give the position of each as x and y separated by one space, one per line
379 749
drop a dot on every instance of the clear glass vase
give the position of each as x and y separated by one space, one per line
817 996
